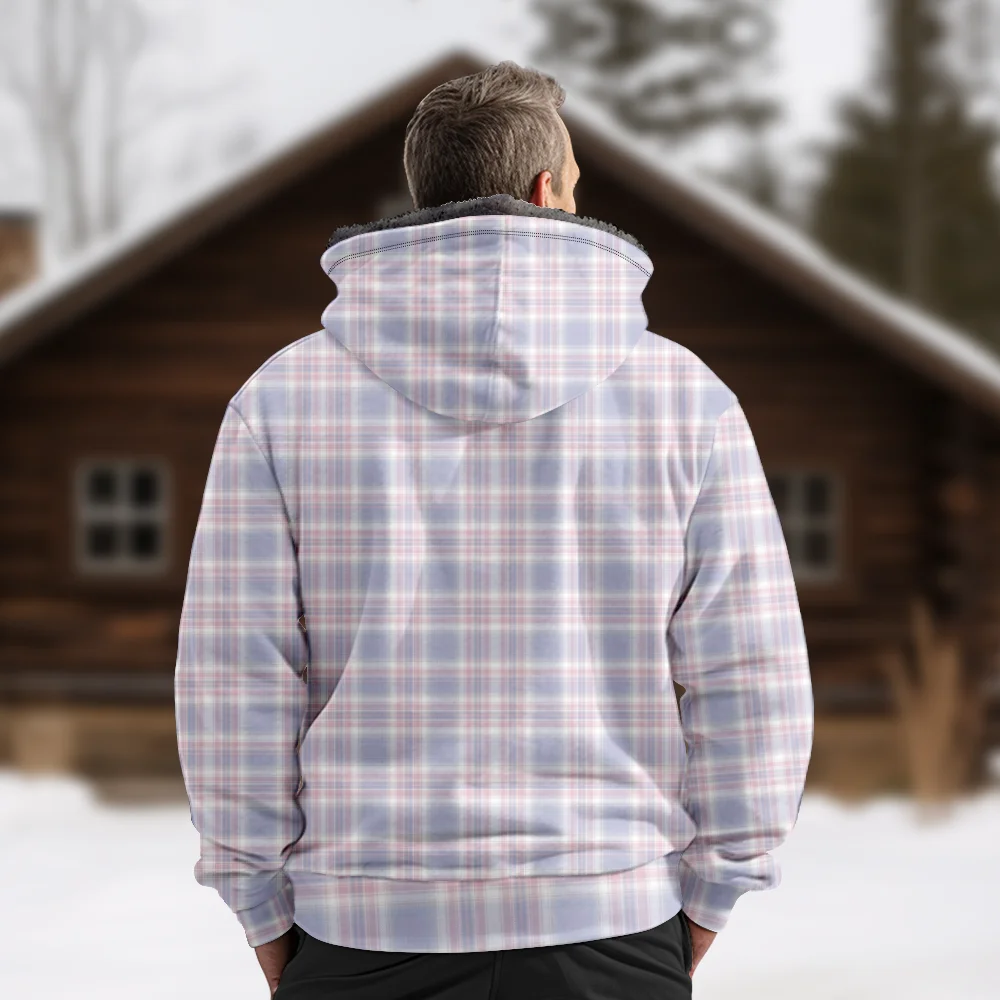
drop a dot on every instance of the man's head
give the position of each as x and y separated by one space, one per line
494 132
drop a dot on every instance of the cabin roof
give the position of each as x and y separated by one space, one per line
944 354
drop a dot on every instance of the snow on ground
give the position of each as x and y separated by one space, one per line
98 899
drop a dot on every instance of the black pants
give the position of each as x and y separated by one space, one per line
648 965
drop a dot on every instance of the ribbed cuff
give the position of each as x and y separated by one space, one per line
707 903
273 917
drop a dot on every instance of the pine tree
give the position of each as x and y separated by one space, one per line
909 198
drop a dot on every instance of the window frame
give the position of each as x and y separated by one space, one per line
841 583
123 513
798 520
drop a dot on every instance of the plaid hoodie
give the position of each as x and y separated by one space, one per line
453 551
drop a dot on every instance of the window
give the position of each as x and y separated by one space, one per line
809 505
122 509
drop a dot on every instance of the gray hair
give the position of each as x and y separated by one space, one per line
491 132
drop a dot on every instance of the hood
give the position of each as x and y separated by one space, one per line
492 310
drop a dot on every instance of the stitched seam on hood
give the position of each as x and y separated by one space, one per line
495 373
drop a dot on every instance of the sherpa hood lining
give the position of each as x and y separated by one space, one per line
494 204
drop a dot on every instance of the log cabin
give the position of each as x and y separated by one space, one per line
878 426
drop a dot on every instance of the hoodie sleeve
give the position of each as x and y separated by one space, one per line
737 645
239 688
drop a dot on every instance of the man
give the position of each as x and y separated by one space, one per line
454 550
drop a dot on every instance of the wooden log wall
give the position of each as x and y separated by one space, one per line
151 370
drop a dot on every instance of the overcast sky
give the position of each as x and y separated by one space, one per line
297 62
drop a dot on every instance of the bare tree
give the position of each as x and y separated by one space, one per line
54 55
676 71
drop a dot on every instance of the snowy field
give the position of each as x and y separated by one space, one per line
98 900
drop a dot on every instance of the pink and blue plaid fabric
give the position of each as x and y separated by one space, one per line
453 550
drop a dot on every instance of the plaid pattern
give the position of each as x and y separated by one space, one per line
453 549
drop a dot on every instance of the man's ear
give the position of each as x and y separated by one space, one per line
538 191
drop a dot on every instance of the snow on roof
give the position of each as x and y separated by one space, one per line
942 352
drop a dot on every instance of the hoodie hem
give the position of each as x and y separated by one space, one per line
381 914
